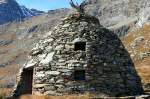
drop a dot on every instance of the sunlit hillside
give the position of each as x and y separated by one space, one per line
138 45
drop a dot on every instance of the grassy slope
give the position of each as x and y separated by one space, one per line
54 97
142 64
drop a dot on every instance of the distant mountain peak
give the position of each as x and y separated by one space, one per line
7 1
30 12
3 1
10 11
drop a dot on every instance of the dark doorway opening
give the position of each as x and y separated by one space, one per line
79 75
80 46
28 79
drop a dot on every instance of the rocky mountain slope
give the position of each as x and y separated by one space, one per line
17 38
120 15
10 10
30 12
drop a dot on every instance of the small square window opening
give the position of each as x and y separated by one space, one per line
80 46
79 75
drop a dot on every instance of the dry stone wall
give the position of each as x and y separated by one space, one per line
105 63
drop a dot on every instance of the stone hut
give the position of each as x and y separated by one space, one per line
79 56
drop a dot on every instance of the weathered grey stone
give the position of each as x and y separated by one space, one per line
52 73
39 75
36 52
143 97
42 56
66 25
51 93
60 47
52 80
48 58
61 87
50 87
60 81
90 59
30 64
39 85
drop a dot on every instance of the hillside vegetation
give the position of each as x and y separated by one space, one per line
138 45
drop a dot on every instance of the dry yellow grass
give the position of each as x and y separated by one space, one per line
144 72
142 65
8 71
86 96
129 39
5 92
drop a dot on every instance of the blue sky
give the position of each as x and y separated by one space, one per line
46 5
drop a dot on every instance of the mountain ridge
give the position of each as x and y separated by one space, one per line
10 11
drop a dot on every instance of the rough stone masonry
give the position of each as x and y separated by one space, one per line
79 56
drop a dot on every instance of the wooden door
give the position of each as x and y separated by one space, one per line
28 79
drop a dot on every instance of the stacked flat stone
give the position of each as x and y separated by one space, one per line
109 70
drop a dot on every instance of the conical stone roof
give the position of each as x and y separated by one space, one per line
80 56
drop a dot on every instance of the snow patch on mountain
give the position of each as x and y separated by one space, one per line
2 1
11 11
30 12
26 12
